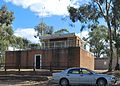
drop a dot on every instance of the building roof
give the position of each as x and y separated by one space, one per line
54 36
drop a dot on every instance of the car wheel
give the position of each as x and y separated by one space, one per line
101 82
64 82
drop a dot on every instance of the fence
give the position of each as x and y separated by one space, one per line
49 67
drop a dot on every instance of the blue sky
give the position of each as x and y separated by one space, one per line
28 14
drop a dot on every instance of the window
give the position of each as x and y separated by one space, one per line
71 42
74 71
84 71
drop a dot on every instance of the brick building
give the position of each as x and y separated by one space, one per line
57 51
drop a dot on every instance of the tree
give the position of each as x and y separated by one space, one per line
7 37
21 43
97 38
34 46
26 43
43 29
92 12
117 46
6 17
61 31
6 32
116 26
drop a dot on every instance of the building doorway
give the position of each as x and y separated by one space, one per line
38 61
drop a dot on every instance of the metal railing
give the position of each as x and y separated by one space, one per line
60 44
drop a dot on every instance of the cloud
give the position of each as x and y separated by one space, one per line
27 33
83 34
47 7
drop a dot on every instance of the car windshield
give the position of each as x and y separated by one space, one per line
92 71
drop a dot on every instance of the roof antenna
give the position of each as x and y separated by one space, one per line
42 14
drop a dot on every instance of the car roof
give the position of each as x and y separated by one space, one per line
77 68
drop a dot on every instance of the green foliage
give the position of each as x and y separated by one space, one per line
84 13
61 31
6 17
116 25
43 29
116 22
34 46
26 43
21 43
95 9
97 40
6 32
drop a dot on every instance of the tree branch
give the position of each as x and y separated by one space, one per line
108 5
100 9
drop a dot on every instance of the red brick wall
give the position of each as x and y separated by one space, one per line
74 56
25 58
10 59
86 59
57 58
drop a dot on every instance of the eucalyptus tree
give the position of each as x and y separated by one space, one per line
7 37
6 32
92 12
26 43
43 29
19 43
97 39
116 26
6 17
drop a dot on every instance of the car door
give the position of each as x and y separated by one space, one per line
73 76
86 77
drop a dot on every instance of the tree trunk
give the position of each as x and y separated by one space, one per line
117 63
111 49
116 45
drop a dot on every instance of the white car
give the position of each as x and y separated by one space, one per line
78 76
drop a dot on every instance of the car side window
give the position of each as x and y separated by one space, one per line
84 71
74 71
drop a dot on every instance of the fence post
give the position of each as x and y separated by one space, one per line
33 67
19 68
5 68
51 68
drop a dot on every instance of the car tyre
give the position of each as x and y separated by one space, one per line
101 82
64 82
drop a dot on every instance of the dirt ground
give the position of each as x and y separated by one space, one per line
30 83
25 83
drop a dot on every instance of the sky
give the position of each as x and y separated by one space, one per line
29 13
